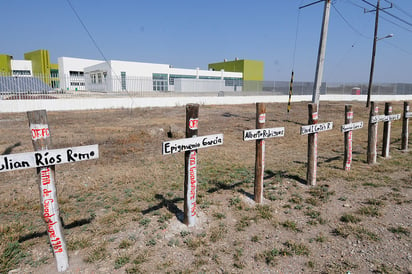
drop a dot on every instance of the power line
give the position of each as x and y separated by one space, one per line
349 24
388 13
97 47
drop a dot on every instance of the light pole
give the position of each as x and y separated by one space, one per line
373 65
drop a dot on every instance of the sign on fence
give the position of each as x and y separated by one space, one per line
43 158
309 129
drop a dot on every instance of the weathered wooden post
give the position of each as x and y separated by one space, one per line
260 134
312 131
348 128
190 146
41 139
387 131
192 122
312 146
372 134
260 153
405 126
45 159
347 158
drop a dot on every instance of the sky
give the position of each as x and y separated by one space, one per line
191 34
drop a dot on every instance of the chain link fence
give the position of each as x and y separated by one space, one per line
46 87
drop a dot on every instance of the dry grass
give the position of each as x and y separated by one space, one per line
123 211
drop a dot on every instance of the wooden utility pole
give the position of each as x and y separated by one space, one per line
321 54
375 38
260 153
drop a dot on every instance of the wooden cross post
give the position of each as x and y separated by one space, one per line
312 146
41 139
372 134
44 159
347 128
347 158
192 122
260 153
387 131
260 134
312 131
190 146
405 126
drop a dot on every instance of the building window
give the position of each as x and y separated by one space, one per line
99 78
21 72
76 73
123 78
172 78
93 76
160 82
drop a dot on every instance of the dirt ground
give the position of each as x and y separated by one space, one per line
122 213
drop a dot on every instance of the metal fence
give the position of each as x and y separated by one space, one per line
46 87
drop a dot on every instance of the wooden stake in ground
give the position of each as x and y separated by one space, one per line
405 126
41 139
192 122
312 146
190 145
387 131
372 134
260 153
348 128
347 158
260 134
312 131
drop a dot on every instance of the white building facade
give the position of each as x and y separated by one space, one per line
21 68
71 72
118 76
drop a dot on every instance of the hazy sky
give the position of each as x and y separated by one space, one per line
191 33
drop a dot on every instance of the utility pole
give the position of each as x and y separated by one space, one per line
375 38
321 55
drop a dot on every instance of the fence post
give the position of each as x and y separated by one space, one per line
48 195
347 160
405 126
260 153
372 135
387 131
192 121
312 146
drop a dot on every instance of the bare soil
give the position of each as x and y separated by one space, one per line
122 213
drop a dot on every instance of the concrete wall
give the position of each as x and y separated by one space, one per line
129 102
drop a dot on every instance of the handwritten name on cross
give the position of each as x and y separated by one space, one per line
189 145
260 134
44 159
347 130
312 131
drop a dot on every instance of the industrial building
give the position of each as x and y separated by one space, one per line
75 74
